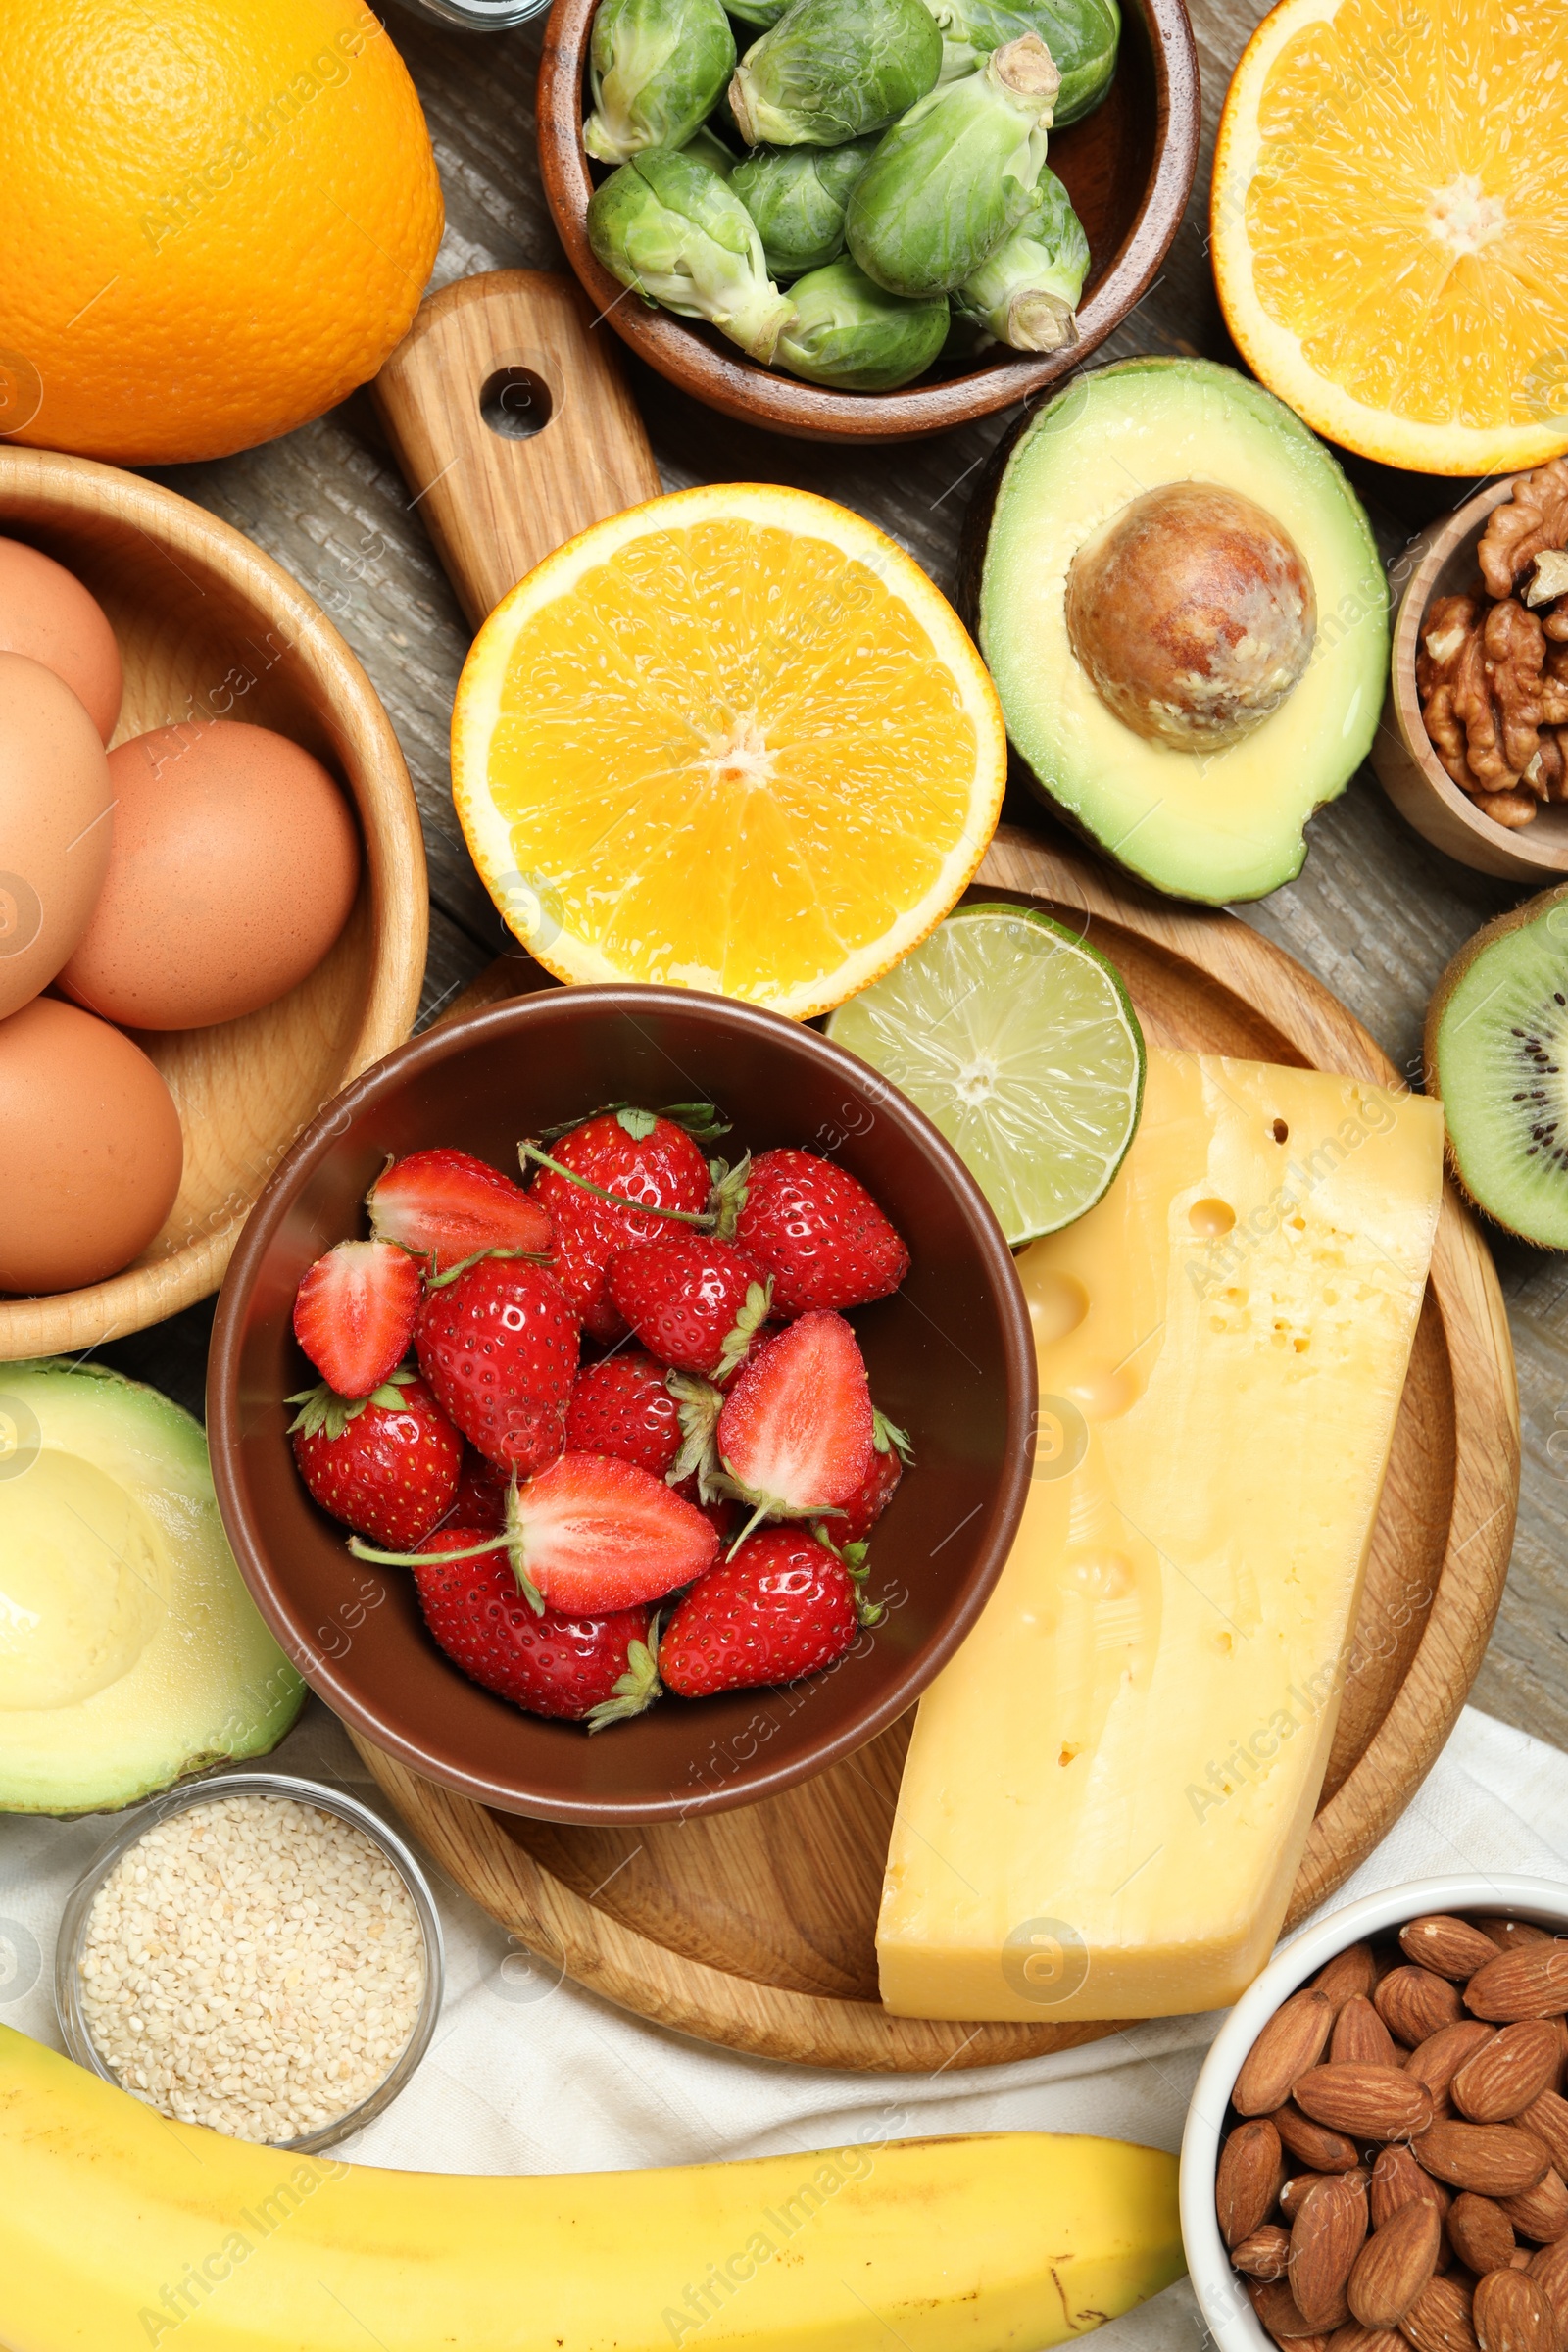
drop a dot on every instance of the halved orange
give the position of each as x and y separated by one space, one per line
733 738
1389 238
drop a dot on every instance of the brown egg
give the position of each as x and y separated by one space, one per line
90 1148
46 614
235 865
55 826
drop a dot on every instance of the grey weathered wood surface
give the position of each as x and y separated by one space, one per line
1375 913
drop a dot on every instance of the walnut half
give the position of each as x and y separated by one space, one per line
1533 522
1494 699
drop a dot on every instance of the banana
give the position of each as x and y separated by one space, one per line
121 2230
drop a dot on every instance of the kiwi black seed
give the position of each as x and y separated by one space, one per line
1497 1052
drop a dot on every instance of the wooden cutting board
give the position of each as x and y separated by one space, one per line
755 1928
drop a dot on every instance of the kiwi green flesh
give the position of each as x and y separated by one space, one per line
1497 1055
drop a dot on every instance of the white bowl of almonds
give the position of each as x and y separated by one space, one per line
1375 2154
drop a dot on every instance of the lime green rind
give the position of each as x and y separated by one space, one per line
154 1661
1230 826
1037 1084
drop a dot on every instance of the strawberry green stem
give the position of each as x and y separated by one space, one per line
421 1559
700 1217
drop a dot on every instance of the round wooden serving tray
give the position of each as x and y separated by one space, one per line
755 1928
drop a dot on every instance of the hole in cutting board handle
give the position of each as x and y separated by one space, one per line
515 404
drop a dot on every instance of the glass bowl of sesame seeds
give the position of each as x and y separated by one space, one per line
257 1953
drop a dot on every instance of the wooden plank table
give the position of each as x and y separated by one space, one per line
1375 913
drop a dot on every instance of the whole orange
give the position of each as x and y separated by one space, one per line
217 218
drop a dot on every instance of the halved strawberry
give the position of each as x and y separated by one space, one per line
591 1535
498 1343
796 1432
646 1162
354 1313
597 1670
696 1301
446 1205
387 1464
780 1607
620 1406
817 1231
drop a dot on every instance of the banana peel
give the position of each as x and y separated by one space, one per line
120 2230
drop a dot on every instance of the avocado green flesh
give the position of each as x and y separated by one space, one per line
130 1653
1226 824
1500 1063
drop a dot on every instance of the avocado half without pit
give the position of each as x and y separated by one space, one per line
1182 606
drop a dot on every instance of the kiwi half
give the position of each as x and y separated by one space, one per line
1496 1055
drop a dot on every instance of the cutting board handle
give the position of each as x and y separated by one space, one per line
508 413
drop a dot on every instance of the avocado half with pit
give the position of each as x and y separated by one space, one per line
1180 602
130 1653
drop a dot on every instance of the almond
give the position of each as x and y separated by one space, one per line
1413 2003
1439 2320
1511 1935
1397 2262
1532 1982
1549 2269
1541 2212
1265 2254
1276 2307
1314 2144
1508 2071
1494 2160
1437 2060
1398 2179
1481 2233
1326 2237
1547 2118
1290 2043
1247 2178
1350 1972
1452 1947
1354 2338
1369 2102
1360 2037
1511 2314
1293 2194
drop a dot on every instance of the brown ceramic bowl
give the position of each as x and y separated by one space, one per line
950 1360
1442 562
1128 168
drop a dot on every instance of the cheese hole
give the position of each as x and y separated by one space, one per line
1280 1132
1211 1217
1057 1304
1105 1394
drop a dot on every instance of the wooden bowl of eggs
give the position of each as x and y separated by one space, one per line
205 930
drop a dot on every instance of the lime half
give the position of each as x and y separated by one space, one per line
1020 1043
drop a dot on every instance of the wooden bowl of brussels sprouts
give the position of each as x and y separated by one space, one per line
835 218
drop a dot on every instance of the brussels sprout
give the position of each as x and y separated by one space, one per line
847 333
656 68
759 12
831 69
1080 35
706 147
668 227
1027 291
955 176
797 197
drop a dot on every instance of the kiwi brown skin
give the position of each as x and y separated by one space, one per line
1528 911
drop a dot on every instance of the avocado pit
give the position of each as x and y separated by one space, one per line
1192 612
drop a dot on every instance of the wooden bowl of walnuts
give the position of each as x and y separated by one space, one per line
1376 2152
1473 749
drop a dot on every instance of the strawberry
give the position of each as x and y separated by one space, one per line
818 1232
482 1497
498 1343
589 1535
697 1302
446 1206
795 1435
622 1406
595 1668
890 1451
780 1606
387 1463
354 1313
639 1159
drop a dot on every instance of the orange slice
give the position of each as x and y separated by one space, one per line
732 740
1389 239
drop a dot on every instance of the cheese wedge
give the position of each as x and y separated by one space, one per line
1109 1788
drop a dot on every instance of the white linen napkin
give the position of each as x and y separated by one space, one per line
528 2074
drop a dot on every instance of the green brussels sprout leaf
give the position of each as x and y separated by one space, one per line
797 196
1026 293
668 226
833 69
847 332
656 68
1082 36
